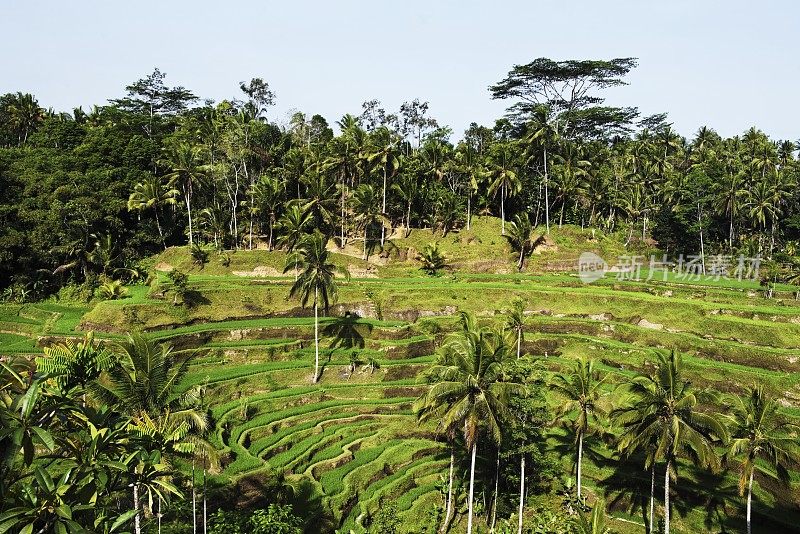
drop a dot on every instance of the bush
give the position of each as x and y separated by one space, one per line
112 290
276 519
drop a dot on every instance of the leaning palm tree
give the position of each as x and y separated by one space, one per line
666 415
468 390
760 434
317 279
581 388
152 193
520 237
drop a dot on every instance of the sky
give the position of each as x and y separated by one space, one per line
726 64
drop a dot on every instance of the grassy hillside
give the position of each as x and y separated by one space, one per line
354 435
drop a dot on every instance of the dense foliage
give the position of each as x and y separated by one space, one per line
84 196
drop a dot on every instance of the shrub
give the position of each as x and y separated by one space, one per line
112 290
276 519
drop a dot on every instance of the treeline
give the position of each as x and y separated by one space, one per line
84 195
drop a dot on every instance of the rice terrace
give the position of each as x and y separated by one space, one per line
572 320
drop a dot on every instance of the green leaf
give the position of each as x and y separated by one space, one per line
121 520
45 437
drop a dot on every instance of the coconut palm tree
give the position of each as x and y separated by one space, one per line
583 400
73 363
520 236
502 179
316 280
541 132
515 321
468 390
666 415
187 170
152 193
383 152
145 385
367 210
266 196
760 434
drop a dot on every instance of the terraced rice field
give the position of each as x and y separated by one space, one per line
354 433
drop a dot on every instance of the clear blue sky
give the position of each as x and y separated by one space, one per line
727 64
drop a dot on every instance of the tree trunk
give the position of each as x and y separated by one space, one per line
546 195
471 486
383 209
702 246
521 492
160 232
189 211
365 242
652 495
159 515
316 336
496 489
194 503
666 498
341 242
137 519
205 507
271 226
749 500
503 210
580 458
469 208
449 490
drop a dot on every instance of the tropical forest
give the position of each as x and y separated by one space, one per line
571 320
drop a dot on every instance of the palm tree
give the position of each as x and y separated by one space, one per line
666 415
145 385
503 179
317 278
432 259
266 196
515 321
384 153
24 115
581 389
407 187
541 133
188 170
520 236
152 193
592 523
367 210
760 433
468 390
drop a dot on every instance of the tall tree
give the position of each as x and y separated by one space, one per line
667 412
187 169
581 389
317 281
760 434
153 193
468 388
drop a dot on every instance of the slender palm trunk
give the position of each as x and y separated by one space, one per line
250 245
160 232
546 195
519 342
652 496
666 497
503 210
496 489
205 502
408 220
159 515
189 211
271 226
383 209
521 257
471 486
749 500
316 336
137 519
341 242
194 503
521 492
580 459
365 241
449 490
702 246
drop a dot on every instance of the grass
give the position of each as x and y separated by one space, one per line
356 435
